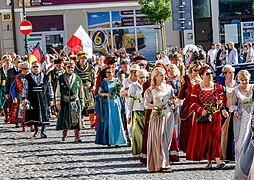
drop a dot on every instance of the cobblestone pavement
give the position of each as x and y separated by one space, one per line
24 157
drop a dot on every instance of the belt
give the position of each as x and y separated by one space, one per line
70 98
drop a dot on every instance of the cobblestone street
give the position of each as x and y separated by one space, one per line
24 157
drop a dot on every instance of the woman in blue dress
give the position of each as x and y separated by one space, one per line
108 107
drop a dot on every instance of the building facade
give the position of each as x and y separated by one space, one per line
110 24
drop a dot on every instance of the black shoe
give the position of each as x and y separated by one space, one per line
17 126
35 133
43 135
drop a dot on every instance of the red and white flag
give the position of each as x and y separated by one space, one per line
80 40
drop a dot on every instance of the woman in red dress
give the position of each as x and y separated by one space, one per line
206 99
189 80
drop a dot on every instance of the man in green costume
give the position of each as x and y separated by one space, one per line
70 101
87 73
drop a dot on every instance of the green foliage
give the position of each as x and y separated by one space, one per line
157 11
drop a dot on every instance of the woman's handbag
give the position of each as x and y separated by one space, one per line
204 119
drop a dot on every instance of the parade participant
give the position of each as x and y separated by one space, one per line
174 80
17 114
227 133
9 78
39 93
206 100
124 93
6 59
244 168
124 72
70 102
54 76
147 95
188 81
161 124
87 73
136 115
110 129
242 106
178 61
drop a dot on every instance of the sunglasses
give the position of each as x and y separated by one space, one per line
108 72
35 66
70 67
208 74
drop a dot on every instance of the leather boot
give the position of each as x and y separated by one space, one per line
65 133
77 135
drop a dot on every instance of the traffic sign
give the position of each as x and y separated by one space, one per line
25 27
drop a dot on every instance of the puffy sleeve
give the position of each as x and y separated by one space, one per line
148 99
131 92
233 107
221 95
195 106
181 94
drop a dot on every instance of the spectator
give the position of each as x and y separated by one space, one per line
211 56
232 55
250 53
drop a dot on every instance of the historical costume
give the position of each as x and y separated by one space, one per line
186 112
39 93
204 141
17 111
70 99
54 76
137 113
242 103
244 168
160 130
110 129
87 73
147 95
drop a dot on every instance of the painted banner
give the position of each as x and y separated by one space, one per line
29 3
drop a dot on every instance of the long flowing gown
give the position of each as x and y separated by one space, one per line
245 110
245 164
186 112
227 133
110 127
160 131
204 142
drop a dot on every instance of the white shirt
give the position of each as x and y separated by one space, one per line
212 54
164 60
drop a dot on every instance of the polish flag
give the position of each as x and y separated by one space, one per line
80 40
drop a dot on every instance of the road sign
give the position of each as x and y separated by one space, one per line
25 27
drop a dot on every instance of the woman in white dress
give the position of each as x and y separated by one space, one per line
161 124
242 106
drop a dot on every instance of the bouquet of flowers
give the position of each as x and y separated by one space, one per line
135 98
116 90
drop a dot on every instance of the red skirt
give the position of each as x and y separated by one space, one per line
173 152
204 141
185 131
13 118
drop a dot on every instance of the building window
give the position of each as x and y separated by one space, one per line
201 8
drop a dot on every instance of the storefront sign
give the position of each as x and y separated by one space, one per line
99 38
30 3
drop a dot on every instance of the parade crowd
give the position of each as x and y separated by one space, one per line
158 109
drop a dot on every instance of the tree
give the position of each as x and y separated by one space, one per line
157 12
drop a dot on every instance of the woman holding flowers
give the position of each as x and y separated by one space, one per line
161 124
136 114
108 107
242 106
206 101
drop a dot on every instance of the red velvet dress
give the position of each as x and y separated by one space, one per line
143 157
185 114
204 142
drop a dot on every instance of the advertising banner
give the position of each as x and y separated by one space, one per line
29 3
